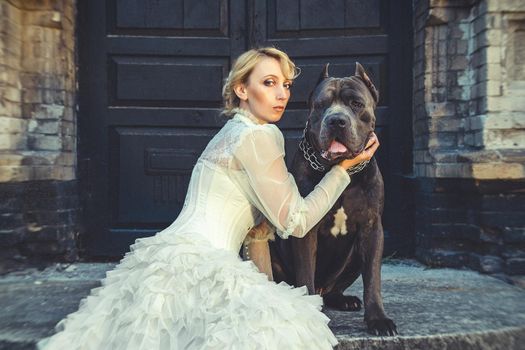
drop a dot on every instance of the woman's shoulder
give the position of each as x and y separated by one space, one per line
252 136
265 134
250 127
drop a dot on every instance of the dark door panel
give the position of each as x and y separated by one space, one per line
167 81
174 17
154 168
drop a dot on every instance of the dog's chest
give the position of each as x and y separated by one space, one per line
339 223
350 211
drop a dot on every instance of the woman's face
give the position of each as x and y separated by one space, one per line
266 92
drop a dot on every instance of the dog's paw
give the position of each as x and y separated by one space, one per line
343 302
383 326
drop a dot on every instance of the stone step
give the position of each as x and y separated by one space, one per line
438 309
433 308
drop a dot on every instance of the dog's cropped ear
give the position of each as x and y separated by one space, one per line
360 72
324 74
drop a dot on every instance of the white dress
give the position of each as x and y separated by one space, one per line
186 287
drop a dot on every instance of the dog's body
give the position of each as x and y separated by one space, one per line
348 241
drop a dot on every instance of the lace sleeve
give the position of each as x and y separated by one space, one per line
273 190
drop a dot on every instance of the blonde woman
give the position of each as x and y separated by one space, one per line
186 287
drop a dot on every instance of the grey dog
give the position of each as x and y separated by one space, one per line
348 241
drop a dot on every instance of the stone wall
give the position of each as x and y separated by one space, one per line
469 134
39 206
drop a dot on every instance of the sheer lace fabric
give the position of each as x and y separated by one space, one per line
253 154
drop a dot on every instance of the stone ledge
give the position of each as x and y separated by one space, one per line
433 308
503 339
439 309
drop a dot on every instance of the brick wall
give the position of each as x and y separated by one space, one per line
39 206
469 134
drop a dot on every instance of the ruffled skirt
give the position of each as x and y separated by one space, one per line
176 291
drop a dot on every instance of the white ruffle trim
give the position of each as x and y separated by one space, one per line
175 291
295 220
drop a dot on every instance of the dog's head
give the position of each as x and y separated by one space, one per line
342 115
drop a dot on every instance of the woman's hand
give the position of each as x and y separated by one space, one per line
262 232
367 154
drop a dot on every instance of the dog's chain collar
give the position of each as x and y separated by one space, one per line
309 152
357 168
309 155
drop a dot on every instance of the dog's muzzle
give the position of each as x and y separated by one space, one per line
310 156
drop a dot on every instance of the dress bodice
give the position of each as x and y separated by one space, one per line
216 208
215 205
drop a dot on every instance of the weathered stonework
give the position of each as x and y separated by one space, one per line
461 222
469 89
39 208
469 133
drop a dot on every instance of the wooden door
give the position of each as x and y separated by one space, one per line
150 77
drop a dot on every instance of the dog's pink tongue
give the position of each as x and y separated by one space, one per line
337 147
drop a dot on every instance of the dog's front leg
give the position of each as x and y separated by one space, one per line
371 251
304 257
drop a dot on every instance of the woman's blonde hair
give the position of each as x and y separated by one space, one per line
243 67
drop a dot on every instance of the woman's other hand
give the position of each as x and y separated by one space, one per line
367 154
256 247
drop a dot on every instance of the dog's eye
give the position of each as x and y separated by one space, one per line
318 105
356 105
365 117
